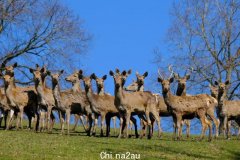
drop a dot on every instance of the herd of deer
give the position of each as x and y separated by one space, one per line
38 103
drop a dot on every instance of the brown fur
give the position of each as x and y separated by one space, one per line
228 110
185 107
135 102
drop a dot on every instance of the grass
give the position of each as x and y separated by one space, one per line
29 145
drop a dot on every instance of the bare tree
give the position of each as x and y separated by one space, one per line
42 31
206 35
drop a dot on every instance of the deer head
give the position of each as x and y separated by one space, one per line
86 80
55 76
73 78
222 86
119 79
132 87
166 82
10 69
182 80
140 78
99 81
125 76
8 79
36 75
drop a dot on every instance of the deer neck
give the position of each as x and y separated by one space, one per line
76 87
100 90
91 99
181 91
221 98
57 94
140 88
167 97
9 91
40 92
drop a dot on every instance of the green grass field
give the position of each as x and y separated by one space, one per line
29 145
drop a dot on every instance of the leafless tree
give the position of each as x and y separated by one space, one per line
43 31
206 35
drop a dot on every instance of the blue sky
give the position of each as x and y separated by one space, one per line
124 34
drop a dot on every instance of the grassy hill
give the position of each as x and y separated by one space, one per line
29 145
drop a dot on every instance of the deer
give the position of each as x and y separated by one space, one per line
20 99
181 91
4 108
135 102
101 92
76 89
46 101
227 109
185 107
102 105
69 103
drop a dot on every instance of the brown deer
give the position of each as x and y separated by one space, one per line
4 107
135 102
20 99
227 109
181 91
185 107
46 101
69 102
76 89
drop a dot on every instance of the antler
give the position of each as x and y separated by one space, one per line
159 73
189 69
171 70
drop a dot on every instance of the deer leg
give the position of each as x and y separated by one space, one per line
225 121
102 124
216 121
179 126
209 124
157 118
127 116
114 125
134 121
121 127
204 125
90 125
21 117
62 117
68 114
95 118
188 124
10 119
174 127
76 118
229 129
108 123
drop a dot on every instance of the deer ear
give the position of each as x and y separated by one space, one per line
49 73
80 72
104 77
61 72
124 73
37 65
42 70
188 76
216 83
145 74
137 73
111 73
171 79
117 70
129 71
160 79
15 65
93 76
30 70
227 82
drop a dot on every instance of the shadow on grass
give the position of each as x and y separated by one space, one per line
234 154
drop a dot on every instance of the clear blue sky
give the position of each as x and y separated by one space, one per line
124 34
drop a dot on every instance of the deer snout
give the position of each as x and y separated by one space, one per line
117 85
